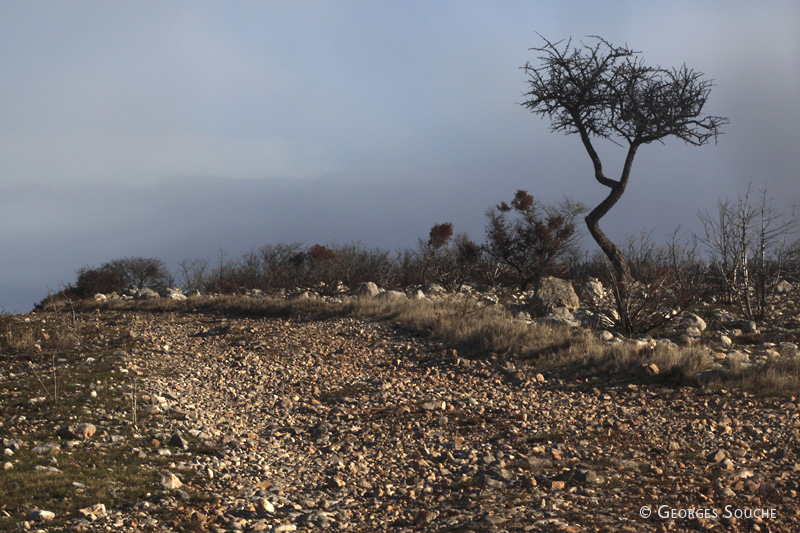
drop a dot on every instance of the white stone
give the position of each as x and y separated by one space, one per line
690 320
40 515
366 289
170 481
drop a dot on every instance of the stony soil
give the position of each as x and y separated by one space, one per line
356 426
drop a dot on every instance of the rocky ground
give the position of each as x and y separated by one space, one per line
286 424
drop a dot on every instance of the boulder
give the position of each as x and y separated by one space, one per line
145 294
783 287
173 294
489 299
693 332
749 327
552 293
433 288
647 370
690 320
392 296
170 481
723 340
93 513
302 295
590 320
560 316
40 515
366 289
77 431
593 290
606 335
178 441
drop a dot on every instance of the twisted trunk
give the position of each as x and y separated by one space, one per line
621 270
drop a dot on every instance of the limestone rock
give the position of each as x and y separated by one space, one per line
94 512
265 506
173 294
690 320
392 296
560 316
723 340
40 515
749 327
145 294
552 293
178 441
593 290
783 287
646 370
432 288
368 289
170 481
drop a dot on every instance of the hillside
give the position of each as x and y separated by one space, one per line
184 416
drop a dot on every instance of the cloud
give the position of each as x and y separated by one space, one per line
171 129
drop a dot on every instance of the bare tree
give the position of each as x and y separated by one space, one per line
276 261
747 244
608 92
143 272
193 274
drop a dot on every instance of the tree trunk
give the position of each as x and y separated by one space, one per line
621 269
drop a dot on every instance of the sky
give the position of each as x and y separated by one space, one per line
175 129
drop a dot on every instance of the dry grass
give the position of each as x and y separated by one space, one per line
467 324
478 330
778 376
47 342
45 333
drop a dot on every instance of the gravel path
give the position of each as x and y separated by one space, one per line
353 426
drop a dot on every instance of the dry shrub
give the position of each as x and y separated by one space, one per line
17 336
679 362
778 376
44 332
475 326
480 330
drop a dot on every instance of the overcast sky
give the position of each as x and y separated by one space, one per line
172 129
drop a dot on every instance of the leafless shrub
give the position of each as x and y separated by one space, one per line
358 264
748 247
193 274
276 261
450 262
664 282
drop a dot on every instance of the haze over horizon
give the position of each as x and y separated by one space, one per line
172 129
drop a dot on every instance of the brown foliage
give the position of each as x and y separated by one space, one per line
530 239
440 234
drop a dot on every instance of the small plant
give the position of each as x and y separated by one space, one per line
530 239
448 261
